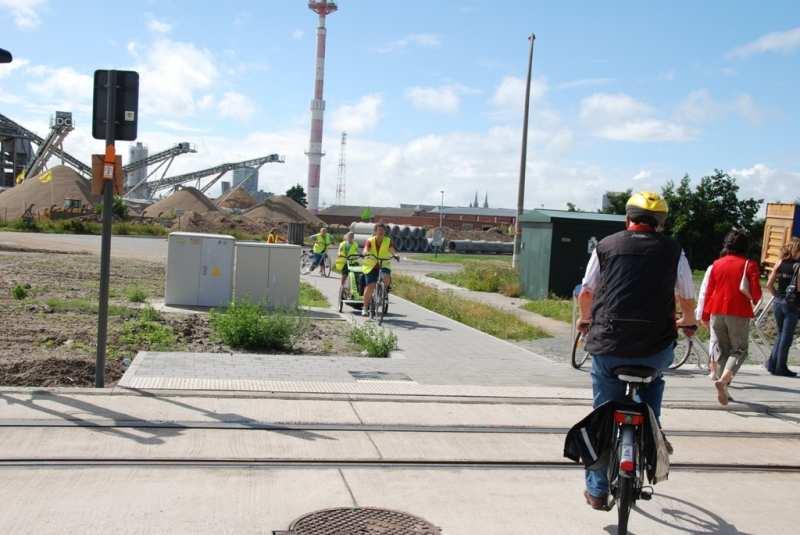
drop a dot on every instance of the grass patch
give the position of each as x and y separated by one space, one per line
457 258
311 297
558 309
148 333
484 277
478 315
376 341
79 226
135 294
84 306
248 326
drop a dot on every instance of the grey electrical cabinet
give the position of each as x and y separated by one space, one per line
199 269
268 274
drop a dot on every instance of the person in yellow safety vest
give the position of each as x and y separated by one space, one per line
379 245
348 247
272 237
321 243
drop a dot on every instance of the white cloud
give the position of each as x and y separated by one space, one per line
620 117
667 76
700 106
235 105
422 40
25 12
172 73
443 99
510 93
298 34
7 68
644 174
584 82
158 26
178 126
777 42
358 117
62 88
773 185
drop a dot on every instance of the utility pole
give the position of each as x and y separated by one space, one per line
523 159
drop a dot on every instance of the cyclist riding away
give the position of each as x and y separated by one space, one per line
321 243
377 246
627 307
348 248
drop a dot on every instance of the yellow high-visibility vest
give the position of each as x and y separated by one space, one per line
383 252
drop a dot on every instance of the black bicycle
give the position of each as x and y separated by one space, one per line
626 467
579 353
379 305
689 348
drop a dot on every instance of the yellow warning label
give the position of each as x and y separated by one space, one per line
46 177
215 271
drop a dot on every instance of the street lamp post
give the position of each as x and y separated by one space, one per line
523 159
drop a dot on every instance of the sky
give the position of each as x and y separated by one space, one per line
625 94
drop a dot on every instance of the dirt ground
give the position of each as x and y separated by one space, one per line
49 337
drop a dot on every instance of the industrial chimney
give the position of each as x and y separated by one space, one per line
323 8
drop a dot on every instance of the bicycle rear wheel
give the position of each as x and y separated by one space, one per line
325 266
683 349
344 293
579 353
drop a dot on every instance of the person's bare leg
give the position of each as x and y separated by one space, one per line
368 294
722 387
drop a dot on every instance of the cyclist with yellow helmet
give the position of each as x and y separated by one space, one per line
627 310
378 246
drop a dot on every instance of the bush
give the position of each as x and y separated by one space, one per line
484 277
377 342
19 292
249 326
311 297
134 294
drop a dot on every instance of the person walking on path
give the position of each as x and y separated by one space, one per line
731 290
627 307
318 250
786 306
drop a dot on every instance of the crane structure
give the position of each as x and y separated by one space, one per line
217 172
341 178
47 147
322 8
163 158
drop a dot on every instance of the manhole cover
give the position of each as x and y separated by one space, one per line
360 521
379 376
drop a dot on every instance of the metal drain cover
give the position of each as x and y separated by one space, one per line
374 375
360 521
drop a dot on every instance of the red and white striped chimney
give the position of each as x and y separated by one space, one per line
323 8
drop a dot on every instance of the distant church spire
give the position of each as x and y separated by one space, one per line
486 200
475 202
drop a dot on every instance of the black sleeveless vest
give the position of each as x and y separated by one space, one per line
633 309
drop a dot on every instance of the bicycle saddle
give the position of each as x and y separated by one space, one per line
635 374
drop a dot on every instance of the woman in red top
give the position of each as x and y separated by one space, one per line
728 309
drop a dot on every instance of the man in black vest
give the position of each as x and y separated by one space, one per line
627 307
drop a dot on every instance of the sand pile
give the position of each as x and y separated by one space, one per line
185 200
236 199
282 209
217 223
45 191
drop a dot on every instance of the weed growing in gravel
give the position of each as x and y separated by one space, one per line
249 326
146 333
134 294
19 292
376 341
484 277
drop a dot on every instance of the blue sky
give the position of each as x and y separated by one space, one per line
627 94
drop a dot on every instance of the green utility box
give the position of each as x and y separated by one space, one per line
556 246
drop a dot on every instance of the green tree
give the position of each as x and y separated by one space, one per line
700 218
366 214
572 208
119 209
297 194
616 202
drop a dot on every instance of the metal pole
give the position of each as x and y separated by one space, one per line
441 224
523 159
105 249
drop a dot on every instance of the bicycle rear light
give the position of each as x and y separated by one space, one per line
629 418
627 465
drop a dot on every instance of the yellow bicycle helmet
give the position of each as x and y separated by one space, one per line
647 204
